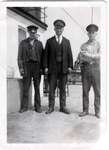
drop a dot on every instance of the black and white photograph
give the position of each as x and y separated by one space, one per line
55 74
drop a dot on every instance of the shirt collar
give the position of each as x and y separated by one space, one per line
28 39
91 41
61 37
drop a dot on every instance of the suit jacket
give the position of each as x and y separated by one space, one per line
50 55
23 53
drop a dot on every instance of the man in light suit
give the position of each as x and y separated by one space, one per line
58 63
89 60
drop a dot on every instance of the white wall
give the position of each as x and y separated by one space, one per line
76 35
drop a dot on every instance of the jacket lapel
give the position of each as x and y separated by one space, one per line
63 47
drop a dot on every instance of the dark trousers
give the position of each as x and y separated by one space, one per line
62 80
32 71
91 77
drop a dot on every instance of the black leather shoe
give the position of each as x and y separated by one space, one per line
84 113
49 111
39 110
97 115
65 110
23 110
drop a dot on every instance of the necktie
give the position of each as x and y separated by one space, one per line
58 40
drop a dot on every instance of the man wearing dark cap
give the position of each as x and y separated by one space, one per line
30 65
58 62
89 59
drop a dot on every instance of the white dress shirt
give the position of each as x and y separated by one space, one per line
59 39
92 50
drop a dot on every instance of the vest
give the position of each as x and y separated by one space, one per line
59 53
33 53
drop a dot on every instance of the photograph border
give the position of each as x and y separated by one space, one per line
3 69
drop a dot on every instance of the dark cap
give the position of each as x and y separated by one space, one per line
59 23
92 28
32 28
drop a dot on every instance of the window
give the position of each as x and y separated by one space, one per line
21 34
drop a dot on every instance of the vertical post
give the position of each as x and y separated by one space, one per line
44 14
92 15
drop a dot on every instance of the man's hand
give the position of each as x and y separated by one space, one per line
85 57
41 71
46 70
69 70
22 72
76 65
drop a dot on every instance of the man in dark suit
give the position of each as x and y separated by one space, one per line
58 62
30 65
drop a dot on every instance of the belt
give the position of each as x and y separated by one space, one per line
89 64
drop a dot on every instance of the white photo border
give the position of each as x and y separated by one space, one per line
3 92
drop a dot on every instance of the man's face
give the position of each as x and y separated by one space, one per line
92 35
32 34
58 30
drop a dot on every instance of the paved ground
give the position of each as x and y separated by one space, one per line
31 127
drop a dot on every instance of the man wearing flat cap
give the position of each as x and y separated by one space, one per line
89 60
30 65
58 63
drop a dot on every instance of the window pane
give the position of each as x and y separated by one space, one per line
21 34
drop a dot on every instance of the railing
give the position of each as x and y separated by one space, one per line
74 77
44 16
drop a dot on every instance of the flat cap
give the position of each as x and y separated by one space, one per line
92 28
32 28
59 23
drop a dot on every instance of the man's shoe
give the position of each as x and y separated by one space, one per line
39 110
97 115
23 110
83 114
49 111
65 110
